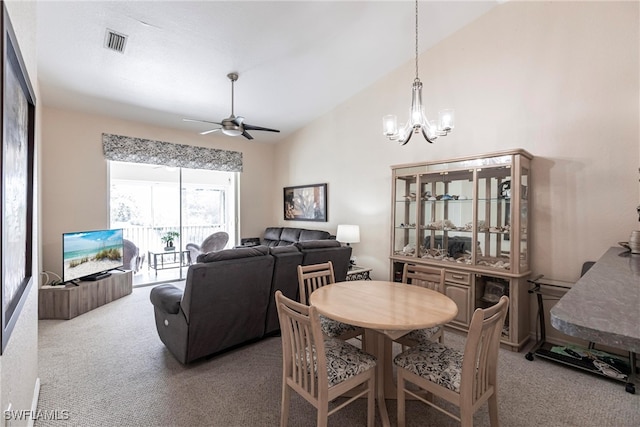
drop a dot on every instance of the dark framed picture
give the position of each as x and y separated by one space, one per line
306 203
18 143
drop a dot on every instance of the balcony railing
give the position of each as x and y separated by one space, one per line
148 238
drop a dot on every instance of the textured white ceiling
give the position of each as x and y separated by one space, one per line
296 59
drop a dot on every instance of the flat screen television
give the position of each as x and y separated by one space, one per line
90 255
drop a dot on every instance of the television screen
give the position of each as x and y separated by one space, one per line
89 254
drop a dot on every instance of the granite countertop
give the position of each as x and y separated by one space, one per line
604 305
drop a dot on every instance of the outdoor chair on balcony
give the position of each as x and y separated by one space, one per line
213 243
131 258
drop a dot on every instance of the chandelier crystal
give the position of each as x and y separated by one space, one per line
417 122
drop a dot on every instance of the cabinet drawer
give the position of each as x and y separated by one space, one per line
458 277
461 295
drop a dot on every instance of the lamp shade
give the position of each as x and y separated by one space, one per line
348 233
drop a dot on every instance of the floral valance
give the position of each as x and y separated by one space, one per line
140 150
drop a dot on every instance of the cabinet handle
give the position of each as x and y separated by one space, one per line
457 276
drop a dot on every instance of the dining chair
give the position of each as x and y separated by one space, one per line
466 379
426 277
318 367
314 276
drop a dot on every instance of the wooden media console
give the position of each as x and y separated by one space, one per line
69 301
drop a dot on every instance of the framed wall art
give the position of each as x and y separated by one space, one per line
306 203
18 144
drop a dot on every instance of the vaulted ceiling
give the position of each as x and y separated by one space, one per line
296 59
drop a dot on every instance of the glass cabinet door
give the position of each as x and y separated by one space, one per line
446 216
493 232
470 212
524 214
405 215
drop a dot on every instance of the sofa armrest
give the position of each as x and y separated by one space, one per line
166 298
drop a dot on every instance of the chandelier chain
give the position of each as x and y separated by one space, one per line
418 122
417 78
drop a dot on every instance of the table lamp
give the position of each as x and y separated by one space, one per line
348 234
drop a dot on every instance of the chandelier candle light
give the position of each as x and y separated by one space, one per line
417 121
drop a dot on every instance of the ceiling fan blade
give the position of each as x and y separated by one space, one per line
201 121
207 132
246 135
252 127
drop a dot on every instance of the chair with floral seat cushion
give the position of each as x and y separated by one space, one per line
466 379
312 277
318 367
426 277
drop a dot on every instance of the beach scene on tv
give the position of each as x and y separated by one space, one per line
90 252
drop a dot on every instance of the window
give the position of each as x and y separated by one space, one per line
147 201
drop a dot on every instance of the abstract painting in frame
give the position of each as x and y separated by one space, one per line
306 203
18 144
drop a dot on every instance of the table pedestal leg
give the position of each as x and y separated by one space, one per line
380 345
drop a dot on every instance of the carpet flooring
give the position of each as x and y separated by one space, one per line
109 368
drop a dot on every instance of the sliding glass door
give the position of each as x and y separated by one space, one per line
163 209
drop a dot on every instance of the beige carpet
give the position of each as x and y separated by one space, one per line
109 368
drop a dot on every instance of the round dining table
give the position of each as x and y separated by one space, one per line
387 311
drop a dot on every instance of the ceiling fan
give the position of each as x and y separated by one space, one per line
232 125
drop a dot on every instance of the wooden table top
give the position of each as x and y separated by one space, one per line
385 306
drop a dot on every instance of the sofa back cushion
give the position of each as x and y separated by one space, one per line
271 236
285 236
319 251
290 236
313 235
236 253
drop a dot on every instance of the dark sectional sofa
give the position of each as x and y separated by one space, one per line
228 299
286 236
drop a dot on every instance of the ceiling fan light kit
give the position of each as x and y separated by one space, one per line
232 125
417 122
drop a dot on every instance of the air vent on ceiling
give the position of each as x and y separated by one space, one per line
115 41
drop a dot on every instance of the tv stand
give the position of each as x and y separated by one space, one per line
73 299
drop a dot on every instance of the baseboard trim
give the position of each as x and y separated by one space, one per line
34 401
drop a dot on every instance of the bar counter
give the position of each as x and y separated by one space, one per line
604 305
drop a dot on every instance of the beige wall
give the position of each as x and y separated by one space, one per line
19 383
559 80
75 180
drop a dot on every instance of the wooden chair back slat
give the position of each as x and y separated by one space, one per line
312 277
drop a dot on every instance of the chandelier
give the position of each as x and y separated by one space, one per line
417 121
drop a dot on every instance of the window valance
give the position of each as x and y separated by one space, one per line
140 150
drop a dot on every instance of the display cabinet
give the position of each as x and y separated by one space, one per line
470 216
